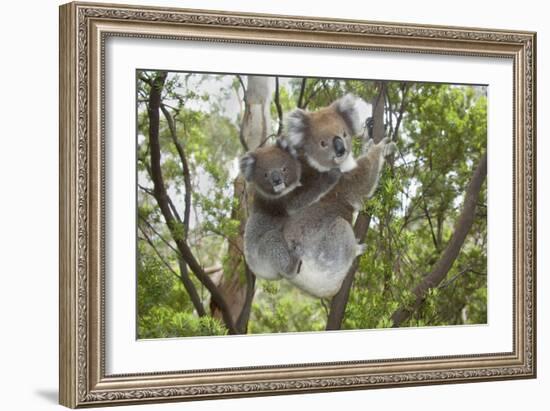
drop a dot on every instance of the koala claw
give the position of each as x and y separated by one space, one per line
293 268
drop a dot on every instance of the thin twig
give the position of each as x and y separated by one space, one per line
161 197
447 259
183 277
148 240
278 106
164 240
185 171
302 91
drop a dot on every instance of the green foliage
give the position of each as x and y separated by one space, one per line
278 307
441 136
414 212
164 307
165 322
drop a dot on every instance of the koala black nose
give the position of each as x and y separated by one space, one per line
276 177
339 146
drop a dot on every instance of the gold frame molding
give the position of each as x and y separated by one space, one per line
84 27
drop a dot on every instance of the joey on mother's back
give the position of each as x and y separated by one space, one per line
274 175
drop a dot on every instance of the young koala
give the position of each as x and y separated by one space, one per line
274 174
322 232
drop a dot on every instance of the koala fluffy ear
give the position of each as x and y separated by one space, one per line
247 164
284 145
353 110
296 127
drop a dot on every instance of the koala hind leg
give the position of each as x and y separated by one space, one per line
338 247
284 259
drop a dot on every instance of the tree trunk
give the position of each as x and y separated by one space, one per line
447 259
237 282
163 201
257 116
340 300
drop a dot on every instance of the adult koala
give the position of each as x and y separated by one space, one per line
322 232
275 178
324 137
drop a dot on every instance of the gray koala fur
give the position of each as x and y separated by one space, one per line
322 233
274 175
324 137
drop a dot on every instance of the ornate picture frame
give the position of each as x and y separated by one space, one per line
84 29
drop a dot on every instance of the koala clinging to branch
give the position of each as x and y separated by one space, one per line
274 174
322 232
324 137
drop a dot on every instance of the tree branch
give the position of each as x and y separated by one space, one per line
161 196
244 316
245 100
149 241
185 168
230 240
145 79
457 276
164 240
278 106
241 82
313 93
302 91
444 264
183 277
404 91
146 190
213 269
428 216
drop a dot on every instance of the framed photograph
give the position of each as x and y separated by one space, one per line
259 204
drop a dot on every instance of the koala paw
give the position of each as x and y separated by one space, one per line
368 145
389 149
360 249
293 268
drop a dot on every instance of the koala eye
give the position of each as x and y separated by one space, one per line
323 143
284 169
265 174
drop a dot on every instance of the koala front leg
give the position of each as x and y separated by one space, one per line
312 190
363 180
367 146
